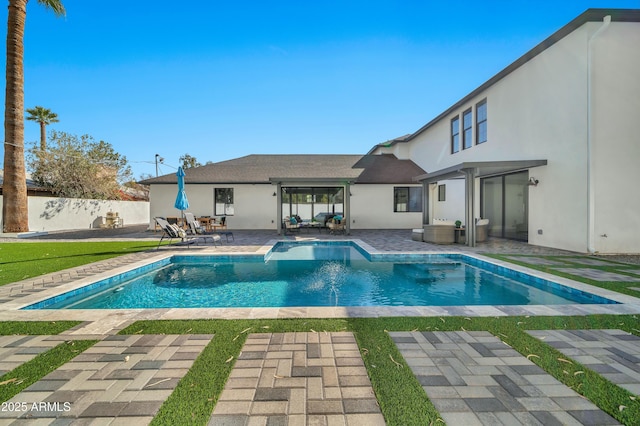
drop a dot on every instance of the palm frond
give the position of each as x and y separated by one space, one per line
55 5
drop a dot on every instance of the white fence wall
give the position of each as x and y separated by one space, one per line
57 214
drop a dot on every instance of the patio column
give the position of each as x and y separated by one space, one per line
426 189
279 207
347 207
469 202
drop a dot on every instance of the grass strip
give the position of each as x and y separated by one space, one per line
31 371
401 398
20 261
8 328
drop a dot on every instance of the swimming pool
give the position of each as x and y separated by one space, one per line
317 274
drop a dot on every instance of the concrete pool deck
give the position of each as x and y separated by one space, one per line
306 378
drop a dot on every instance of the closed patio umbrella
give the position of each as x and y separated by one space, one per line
181 200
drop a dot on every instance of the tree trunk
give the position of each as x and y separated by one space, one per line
43 137
14 189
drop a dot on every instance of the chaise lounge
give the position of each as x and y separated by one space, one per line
196 228
171 231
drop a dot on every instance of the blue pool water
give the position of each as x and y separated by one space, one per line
318 274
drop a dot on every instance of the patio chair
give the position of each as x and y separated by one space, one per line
195 228
290 225
225 232
337 225
172 231
482 230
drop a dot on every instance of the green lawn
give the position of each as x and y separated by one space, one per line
19 261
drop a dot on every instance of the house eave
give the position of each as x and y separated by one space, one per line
482 169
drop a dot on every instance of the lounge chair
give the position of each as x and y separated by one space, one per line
172 231
195 228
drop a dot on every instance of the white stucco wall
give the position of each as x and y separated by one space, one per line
57 214
615 140
254 205
452 208
372 208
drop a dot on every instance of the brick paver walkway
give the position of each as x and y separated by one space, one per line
120 380
473 378
614 354
16 350
298 379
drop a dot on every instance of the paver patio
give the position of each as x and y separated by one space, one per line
16 350
473 378
298 379
614 354
120 380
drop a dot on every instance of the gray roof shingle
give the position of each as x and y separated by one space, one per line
305 167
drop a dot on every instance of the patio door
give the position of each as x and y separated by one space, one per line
504 200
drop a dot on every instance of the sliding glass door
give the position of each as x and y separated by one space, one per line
505 202
309 202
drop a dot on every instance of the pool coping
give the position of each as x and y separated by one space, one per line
108 319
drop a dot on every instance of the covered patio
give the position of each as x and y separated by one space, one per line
470 171
308 198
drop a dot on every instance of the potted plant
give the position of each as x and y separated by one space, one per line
458 224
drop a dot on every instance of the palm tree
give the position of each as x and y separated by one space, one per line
44 116
14 189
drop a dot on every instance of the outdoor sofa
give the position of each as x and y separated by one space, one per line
439 232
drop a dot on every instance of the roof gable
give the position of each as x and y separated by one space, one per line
386 168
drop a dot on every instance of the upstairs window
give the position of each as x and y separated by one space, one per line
481 122
467 132
455 135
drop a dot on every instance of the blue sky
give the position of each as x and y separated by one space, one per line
219 80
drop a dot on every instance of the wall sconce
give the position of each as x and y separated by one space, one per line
533 181
274 193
